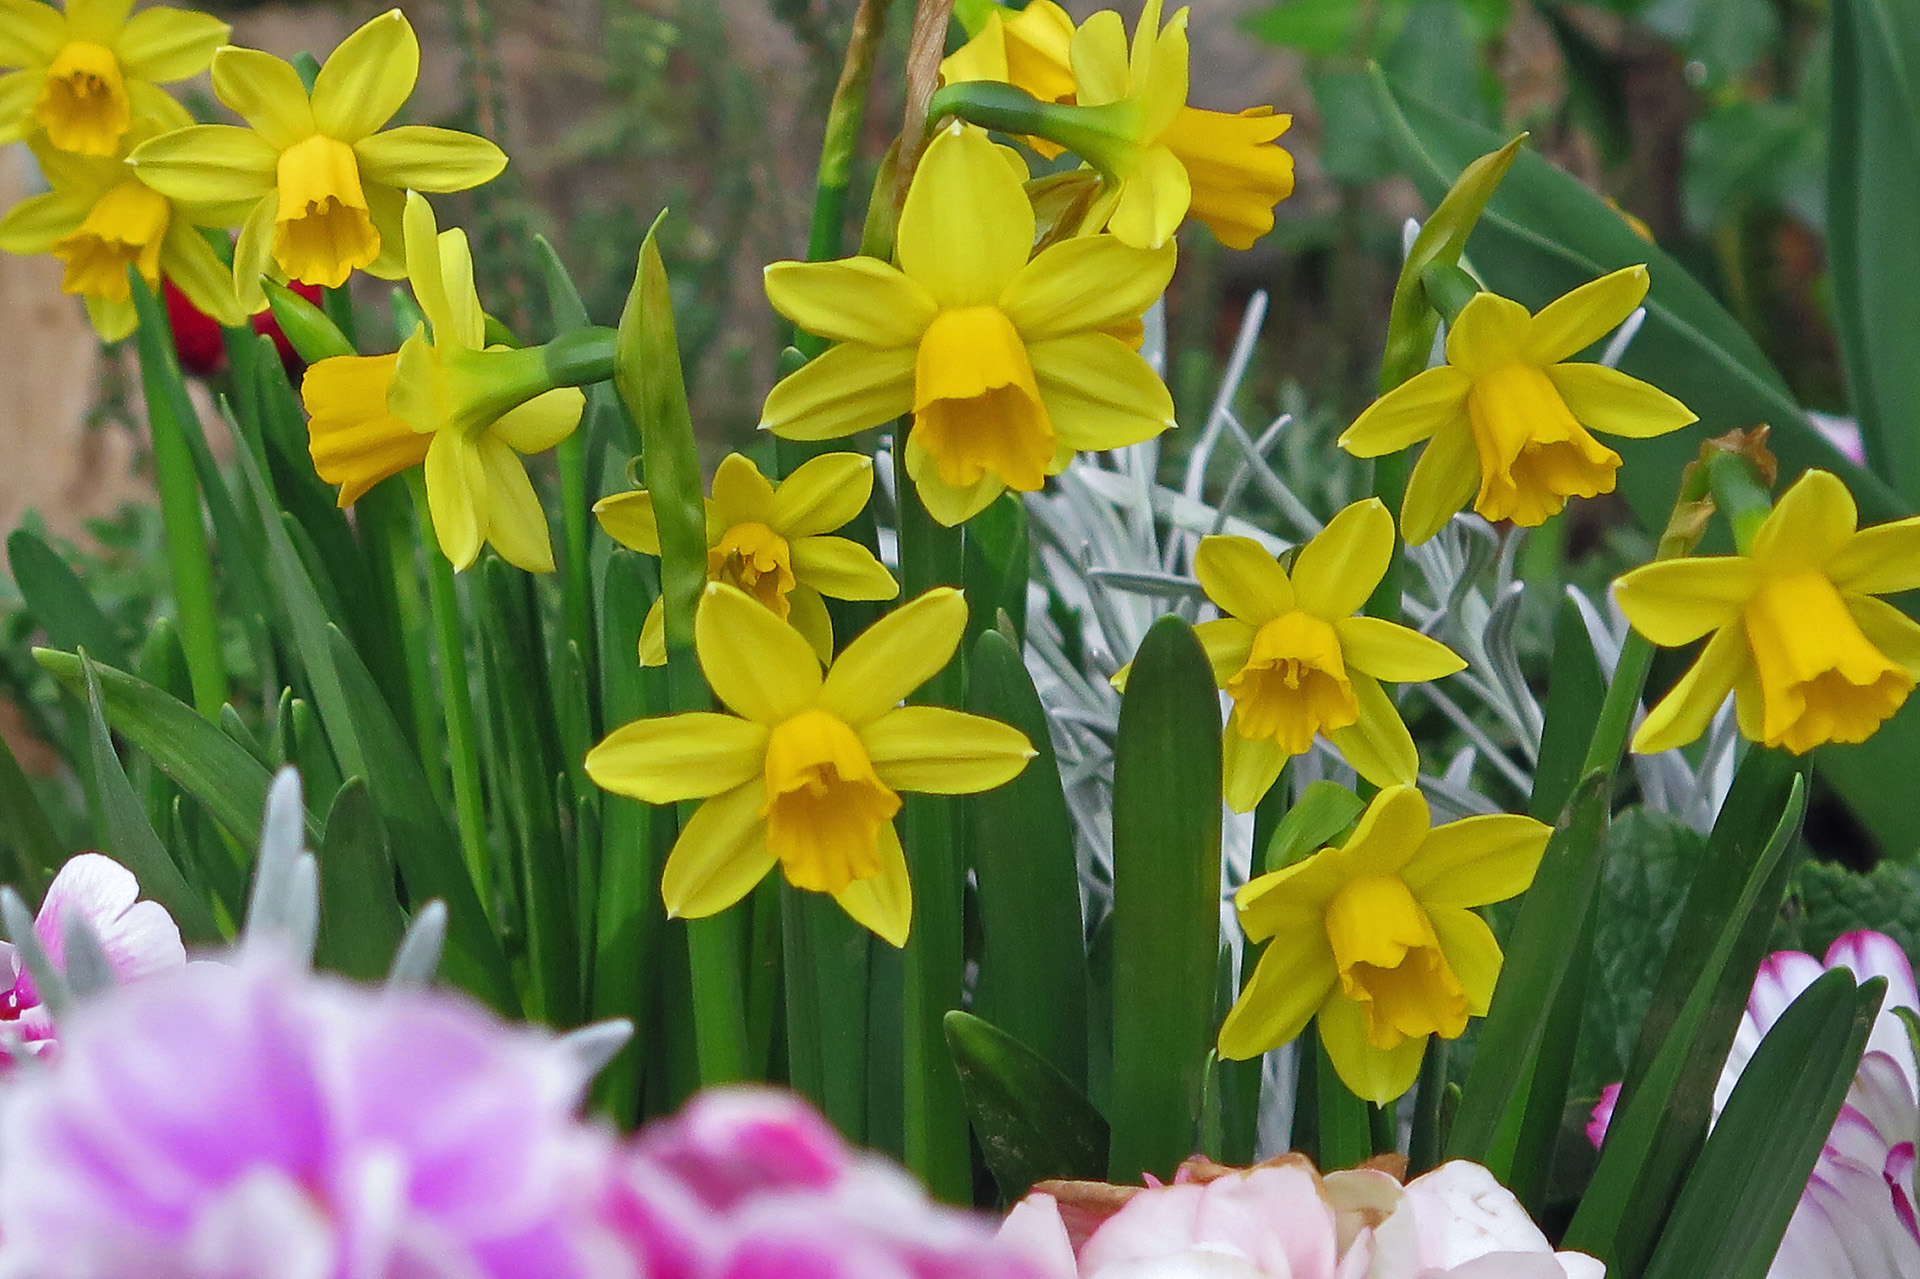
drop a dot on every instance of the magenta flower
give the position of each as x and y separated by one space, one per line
751 1184
259 1122
139 939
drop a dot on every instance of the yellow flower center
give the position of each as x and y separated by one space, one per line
825 805
83 105
124 228
1294 684
757 560
1391 964
1533 454
976 409
322 232
1821 679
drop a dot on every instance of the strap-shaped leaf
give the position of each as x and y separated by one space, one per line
1033 1125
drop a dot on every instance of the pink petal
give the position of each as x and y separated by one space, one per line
1602 1117
1464 1213
139 938
1034 1228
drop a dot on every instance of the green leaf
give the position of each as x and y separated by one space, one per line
1033 961
360 919
1733 1210
1326 28
60 602
1323 811
37 851
1575 692
1032 1124
1834 900
1166 900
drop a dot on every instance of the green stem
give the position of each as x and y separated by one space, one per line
1390 486
463 754
581 357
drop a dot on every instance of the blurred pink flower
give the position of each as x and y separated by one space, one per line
139 938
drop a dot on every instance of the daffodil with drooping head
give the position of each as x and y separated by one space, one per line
84 73
1378 941
806 773
314 182
1507 418
1027 48
1007 365
1298 661
771 541
446 399
1796 632
99 219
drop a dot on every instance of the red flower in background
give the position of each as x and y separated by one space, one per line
197 336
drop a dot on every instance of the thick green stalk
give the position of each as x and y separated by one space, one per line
463 753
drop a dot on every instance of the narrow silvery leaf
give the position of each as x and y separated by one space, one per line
88 971
1623 338
418 957
54 992
593 1046
285 903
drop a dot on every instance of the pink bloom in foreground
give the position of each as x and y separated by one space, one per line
1283 1220
1856 1218
751 1184
259 1122
139 939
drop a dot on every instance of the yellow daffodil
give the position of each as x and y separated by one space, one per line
770 541
1797 635
1006 364
807 770
1297 661
450 401
1378 939
98 220
1507 416
1027 48
314 183
86 72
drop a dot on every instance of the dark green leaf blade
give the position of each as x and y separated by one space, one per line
1033 1125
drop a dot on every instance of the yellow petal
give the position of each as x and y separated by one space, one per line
32 225
1239 576
1090 282
162 44
883 904
1289 984
822 494
99 21
1609 401
1227 641
1570 324
628 519
1813 522
674 757
387 206
1372 1074
112 320
1443 480
1477 860
1471 952
1335 572
1889 630
741 495
966 227
653 635
1409 413
367 78
1684 713
426 273
1236 172
1153 200
1389 651
266 92
31 33
541 422
1490 331
18 92
1674 602
944 752
1880 560
253 255
842 568
456 487
516 523
1377 744
847 389
420 157
720 856
894 656
758 665
1098 53
1100 394
1388 835
1248 766
190 262
467 323
807 613
208 164
860 300
949 504
148 99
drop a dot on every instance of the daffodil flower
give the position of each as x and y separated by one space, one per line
87 71
98 220
806 771
1797 635
770 541
450 401
1297 661
1508 415
314 182
1377 939
1027 48
1006 364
